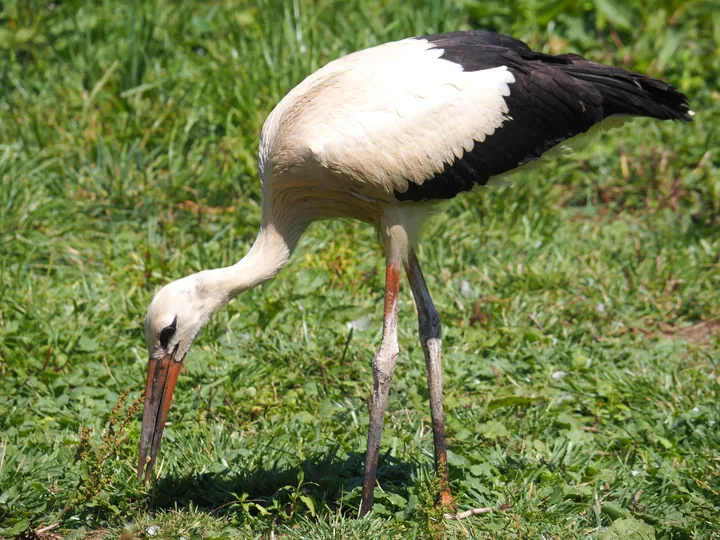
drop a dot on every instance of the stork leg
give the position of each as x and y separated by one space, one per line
383 367
430 329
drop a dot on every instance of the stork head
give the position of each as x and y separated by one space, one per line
179 312
175 317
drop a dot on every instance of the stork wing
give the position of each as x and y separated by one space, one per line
426 118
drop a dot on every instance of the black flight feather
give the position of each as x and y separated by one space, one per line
552 99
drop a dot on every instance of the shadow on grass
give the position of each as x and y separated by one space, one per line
327 478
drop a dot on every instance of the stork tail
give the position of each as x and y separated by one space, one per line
628 93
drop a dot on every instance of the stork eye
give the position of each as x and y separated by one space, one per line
166 335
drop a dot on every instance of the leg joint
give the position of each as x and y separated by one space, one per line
384 361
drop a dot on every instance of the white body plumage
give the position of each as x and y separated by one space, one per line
365 125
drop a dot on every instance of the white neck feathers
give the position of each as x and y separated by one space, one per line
270 252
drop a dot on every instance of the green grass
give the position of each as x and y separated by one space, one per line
581 305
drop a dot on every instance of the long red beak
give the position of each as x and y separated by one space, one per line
161 379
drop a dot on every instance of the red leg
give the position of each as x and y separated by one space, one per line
383 368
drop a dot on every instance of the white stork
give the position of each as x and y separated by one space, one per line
382 135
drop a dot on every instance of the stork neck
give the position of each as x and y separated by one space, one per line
271 251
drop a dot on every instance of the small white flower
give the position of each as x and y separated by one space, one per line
557 375
152 530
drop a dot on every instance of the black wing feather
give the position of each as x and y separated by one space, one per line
553 99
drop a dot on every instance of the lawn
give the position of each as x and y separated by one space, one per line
581 302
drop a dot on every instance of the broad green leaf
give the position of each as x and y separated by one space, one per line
614 510
304 417
492 430
629 529
457 460
482 469
309 502
397 500
18 527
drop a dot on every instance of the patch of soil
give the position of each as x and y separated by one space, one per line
701 332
